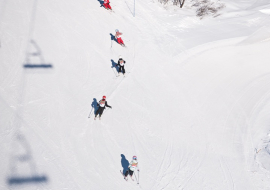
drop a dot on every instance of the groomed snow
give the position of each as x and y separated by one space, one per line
194 107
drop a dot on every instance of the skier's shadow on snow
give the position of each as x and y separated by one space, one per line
114 65
124 163
101 3
113 38
94 105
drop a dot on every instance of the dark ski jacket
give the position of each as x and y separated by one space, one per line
105 105
118 64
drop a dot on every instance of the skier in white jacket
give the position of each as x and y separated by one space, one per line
133 165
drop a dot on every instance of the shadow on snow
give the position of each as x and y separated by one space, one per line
23 162
124 163
95 105
101 3
34 58
113 38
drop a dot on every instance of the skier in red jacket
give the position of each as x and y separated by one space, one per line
106 4
119 39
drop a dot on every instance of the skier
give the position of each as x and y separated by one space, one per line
132 167
119 39
106 4
121 64
102 104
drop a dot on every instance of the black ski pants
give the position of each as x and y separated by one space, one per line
121 69
130 172
99 111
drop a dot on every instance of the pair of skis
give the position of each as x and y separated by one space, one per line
126 178
96 118
123 45
110 10
124 75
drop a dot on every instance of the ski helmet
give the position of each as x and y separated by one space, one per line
120 57
134 157
116 30
104 97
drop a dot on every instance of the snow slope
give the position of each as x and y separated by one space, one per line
194 107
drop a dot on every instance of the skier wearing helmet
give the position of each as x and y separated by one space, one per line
119 39
121 64
102 104
133 165
106 4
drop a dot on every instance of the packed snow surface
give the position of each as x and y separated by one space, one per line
194 106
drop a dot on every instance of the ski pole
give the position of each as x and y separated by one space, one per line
114 72
90 113
136 177
106 110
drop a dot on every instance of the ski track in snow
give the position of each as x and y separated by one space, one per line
227 173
